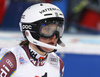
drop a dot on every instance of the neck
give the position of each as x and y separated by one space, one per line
37 50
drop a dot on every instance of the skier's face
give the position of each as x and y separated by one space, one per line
51 41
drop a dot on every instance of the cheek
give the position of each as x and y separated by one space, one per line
45 40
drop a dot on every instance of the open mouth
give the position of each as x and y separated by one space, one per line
51 43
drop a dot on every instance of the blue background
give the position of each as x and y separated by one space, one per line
81 65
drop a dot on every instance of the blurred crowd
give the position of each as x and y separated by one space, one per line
32 0
84 15
81 15
5 3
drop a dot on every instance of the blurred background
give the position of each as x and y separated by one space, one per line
81 55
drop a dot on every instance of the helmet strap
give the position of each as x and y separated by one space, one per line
45 51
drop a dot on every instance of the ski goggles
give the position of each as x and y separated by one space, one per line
51 28
46 28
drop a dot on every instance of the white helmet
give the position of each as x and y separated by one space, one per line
36 17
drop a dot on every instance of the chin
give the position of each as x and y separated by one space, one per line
47 49
50 50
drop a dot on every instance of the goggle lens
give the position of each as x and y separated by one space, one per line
48 30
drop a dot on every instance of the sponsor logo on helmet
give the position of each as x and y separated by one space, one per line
56 14
27 27
48 9
23 17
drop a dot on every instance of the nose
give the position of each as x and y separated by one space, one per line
53 37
